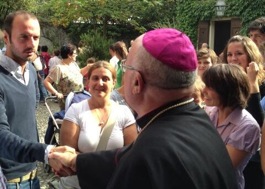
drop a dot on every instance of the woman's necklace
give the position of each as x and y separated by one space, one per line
102 119
163 111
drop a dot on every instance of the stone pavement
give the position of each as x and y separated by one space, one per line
42 119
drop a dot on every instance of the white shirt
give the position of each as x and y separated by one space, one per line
15 69
90 132
114 62
53 62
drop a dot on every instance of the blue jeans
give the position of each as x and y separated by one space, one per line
43 91
29 184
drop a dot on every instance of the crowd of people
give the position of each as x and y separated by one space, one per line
160 115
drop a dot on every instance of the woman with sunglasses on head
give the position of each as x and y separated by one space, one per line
243 51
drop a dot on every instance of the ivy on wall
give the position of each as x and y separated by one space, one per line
247 11
190 12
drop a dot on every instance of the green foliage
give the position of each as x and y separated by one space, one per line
128 16
181 14
155 15
95 45
247 11
190 12
8 6
126 19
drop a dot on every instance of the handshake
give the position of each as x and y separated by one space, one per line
62 159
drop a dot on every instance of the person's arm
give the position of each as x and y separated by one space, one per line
69 134
20 150
70 130
101 166
262 149
252 72
254 106
93 170
85 69
243 140
236 156
129 134
48 85
14 147
255 109
262 103
129 128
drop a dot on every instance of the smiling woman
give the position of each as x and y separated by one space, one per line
225 95
242 50
86 123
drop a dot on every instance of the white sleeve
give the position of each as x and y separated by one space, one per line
73 112
127 115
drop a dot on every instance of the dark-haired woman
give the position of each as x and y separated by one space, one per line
67 76
226 93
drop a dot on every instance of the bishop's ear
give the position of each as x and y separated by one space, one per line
138 83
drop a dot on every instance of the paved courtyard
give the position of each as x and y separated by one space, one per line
42 119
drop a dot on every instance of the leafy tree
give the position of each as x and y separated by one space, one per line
95 45
126 19
7 6
114 20
102 12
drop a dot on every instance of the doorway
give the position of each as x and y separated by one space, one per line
221 35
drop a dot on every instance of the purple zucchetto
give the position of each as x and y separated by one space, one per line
172 48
